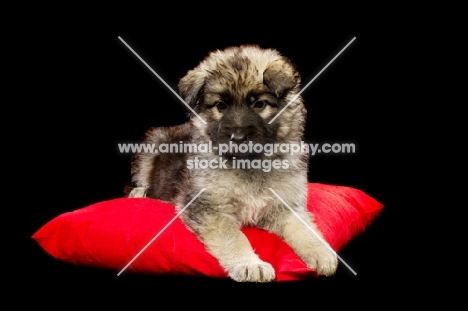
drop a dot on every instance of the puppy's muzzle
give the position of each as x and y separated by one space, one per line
238 136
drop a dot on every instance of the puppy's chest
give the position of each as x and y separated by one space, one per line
250 206
247 200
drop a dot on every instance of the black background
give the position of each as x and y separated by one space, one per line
91 93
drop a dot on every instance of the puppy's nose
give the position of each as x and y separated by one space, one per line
238 137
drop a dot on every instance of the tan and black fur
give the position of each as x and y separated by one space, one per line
237 91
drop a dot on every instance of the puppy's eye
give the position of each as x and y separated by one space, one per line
259 105
221 106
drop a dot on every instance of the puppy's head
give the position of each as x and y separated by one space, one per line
239 90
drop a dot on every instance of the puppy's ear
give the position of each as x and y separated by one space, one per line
281 77
190 85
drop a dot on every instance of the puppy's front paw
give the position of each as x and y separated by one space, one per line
254 271
323 260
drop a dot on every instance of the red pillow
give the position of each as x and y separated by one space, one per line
111 233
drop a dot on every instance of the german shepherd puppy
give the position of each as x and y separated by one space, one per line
235 93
